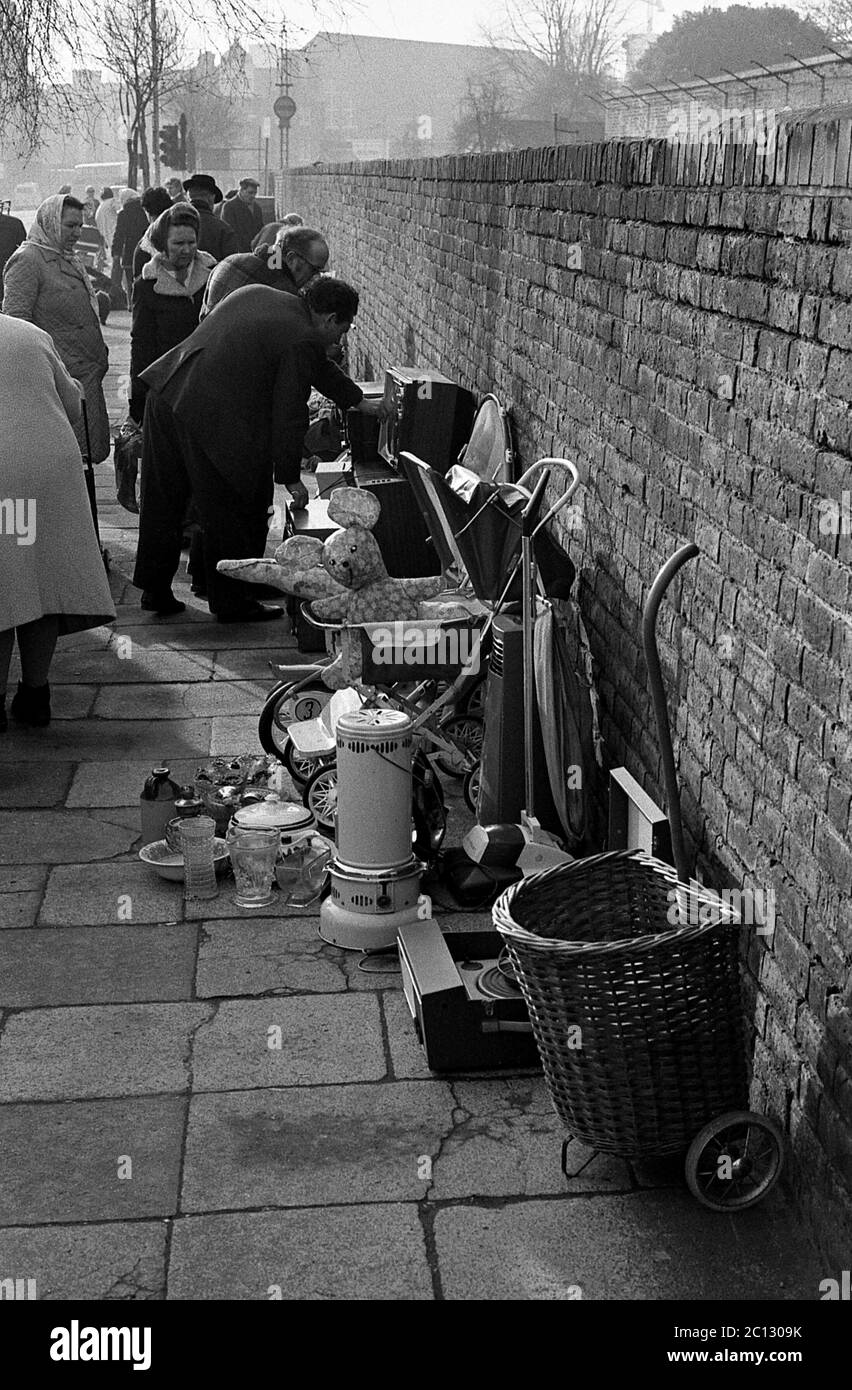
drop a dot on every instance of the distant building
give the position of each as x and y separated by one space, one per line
359 97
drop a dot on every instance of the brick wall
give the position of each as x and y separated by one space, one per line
699 368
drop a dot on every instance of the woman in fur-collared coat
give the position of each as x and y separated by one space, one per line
167 295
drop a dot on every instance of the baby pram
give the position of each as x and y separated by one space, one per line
434 666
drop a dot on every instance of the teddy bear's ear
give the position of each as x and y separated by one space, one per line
352 506
304 552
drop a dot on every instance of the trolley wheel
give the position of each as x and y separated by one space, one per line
470 790
320 797
735 1160
467 732
283 706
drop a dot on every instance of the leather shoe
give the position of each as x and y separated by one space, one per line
253 613
164 605
31 705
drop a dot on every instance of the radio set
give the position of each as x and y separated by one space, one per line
432 417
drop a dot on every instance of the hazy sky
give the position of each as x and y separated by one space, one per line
460 21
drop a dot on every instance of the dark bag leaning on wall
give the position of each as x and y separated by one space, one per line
127 452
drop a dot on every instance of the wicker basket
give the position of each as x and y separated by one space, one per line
660 1047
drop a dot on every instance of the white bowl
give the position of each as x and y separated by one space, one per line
170 865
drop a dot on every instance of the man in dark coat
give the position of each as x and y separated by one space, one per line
215 236
243 214
130 226
12 233
227 409
298 255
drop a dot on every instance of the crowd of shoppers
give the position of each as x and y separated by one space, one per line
226 347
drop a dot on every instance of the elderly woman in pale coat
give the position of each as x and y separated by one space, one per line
52 578
45 283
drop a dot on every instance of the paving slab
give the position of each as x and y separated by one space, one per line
206 634
316 1146
61 837
128 663
92 895
240 664
120 783
312 1040
96 965
22 878
35 784
196 700
265 957
345 1253
19 909
235 733
99 1051
645 1247
121 1261
507 1140
103 739
90 1161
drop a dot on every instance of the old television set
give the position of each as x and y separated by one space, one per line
432 417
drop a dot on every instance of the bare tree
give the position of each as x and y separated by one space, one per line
834 16
484 114
557 48
35 35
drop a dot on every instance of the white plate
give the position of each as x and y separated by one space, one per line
170 865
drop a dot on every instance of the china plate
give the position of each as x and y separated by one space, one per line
170 865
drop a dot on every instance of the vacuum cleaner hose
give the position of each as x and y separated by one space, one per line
658 694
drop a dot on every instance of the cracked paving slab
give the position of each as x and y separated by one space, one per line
171 701
62 837
122 892
303 1040
314 1146
102 1050
647 1246
90 1160
265 957
341 1253
122 1261
506 1140
113 739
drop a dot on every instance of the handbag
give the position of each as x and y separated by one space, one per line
127 451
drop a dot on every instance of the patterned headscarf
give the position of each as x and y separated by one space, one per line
46 231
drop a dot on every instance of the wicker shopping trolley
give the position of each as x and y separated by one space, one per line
631 976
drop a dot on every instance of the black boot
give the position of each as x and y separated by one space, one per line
31 705
163 603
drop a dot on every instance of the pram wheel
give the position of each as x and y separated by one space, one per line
320 797
465 731
735 1160
475 702
300 768
285 704
470 790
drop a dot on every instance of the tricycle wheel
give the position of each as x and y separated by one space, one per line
735 1160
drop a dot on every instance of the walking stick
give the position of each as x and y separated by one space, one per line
90 483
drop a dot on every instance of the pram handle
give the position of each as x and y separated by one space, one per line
563 466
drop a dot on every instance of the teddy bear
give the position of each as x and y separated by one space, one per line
344 579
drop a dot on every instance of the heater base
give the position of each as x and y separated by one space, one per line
364 931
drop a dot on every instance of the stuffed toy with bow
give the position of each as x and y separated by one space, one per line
344 579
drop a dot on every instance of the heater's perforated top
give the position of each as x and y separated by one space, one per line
378 723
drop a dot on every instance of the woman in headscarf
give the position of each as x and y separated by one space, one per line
46 283
167 294
52 578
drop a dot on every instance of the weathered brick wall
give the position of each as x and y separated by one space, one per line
699 367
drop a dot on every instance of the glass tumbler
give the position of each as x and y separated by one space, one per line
199 869
253 854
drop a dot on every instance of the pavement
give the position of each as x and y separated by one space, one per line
153 1145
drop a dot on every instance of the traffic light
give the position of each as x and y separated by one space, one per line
170 147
